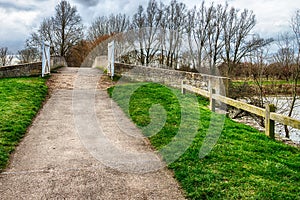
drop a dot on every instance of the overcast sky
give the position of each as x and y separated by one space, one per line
19 18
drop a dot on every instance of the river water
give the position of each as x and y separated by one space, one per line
283 104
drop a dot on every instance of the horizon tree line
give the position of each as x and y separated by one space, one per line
201 38
213 33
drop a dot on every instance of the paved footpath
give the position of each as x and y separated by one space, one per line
80 148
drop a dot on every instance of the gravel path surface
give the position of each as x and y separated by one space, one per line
80 148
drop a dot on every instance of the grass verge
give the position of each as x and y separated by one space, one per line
20 100
243 164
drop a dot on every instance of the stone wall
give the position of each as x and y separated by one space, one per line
57 61
172 78
31 69
28 69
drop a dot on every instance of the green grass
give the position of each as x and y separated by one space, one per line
264 82
20 100
243 164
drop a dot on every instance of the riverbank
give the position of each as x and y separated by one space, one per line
247 120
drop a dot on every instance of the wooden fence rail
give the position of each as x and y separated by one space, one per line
268 112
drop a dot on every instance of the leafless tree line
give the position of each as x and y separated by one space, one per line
260 66
288 57
167 34
199 37
108 25
164 34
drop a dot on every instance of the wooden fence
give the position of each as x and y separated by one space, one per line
268 112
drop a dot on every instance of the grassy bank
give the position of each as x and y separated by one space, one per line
20 100
243 164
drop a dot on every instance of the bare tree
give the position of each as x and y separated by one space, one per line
5 57
153 19
162 35
285 57
138 23
217 33
216 16
147 25
196 29
98 28
295 69
118 23
189 28
174 19
237 28
295 24
257 64
28 55
34 41
45 33
62 31
68 29
108 25
159 31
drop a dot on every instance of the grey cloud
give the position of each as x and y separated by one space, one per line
88 3
13 46
14 7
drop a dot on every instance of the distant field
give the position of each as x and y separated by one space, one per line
244 164
20 100
264 82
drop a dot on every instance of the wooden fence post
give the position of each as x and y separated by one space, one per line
227 86
212 100
269 124
183 91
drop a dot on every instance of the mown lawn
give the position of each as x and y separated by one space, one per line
20 100
243 163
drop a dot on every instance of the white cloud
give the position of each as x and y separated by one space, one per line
19 19
15 25
273 16
107 7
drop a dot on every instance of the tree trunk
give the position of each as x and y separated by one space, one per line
287 132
